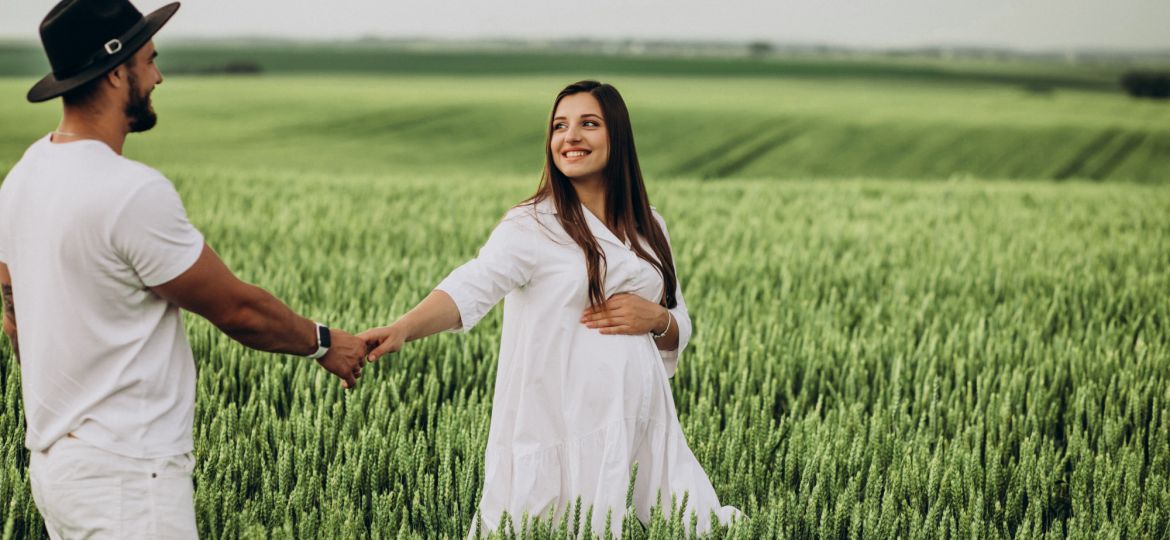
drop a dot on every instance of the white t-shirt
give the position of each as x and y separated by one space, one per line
84 233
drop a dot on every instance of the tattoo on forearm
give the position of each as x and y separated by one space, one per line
10 314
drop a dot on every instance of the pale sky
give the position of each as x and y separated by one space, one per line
1022 24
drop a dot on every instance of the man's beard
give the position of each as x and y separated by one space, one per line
138 110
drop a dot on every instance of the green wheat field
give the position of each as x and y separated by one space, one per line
925 306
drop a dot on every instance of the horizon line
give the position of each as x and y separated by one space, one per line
780 46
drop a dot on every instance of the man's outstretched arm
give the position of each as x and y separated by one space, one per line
255 318
9 310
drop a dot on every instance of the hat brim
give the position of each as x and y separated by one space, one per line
50 86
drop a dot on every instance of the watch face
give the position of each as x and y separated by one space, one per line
323 336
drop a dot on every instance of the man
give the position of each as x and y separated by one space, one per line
96 259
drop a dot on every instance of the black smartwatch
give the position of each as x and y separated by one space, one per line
323 341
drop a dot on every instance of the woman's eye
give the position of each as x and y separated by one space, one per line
591 123
559 125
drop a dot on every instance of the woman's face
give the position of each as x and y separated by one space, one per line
579 142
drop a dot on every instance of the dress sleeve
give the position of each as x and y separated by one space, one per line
505 263
152 234
681 316
3 228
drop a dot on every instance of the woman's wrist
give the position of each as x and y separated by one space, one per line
405 328
664 326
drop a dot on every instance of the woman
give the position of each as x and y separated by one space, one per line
594 321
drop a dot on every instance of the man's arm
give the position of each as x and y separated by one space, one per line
9 310
255 318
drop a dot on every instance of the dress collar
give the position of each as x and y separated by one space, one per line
546 206
596 226
599 230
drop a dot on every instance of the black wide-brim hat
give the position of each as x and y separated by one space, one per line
85 39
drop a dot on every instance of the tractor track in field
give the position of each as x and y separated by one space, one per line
1131 142
1078 161
786 132
698 162
381 122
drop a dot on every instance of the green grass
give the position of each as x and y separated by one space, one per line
687 128
877 353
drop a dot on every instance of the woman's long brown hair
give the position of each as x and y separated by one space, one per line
627 208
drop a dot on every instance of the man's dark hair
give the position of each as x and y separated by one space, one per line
82 95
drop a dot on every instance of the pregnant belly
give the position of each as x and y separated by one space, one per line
609 378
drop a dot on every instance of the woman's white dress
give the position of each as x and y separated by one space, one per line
574 409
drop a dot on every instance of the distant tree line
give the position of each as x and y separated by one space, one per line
1147 84
233 67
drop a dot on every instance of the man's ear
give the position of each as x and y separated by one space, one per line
117 76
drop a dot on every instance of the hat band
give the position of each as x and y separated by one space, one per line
113 46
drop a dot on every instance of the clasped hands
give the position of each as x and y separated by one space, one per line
346 357
348 353
621 314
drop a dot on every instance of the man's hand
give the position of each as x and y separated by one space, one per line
384 340
626 314
346 356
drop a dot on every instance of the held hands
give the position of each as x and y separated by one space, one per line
626 314
621 314
384 340
348 353
346 356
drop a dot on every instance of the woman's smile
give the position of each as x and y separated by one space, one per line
573 155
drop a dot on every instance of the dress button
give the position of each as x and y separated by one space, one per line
154 475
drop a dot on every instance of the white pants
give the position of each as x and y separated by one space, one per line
86 492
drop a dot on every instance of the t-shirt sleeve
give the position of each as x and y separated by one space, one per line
506 262
152 234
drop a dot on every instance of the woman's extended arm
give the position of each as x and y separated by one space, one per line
436 313
505 262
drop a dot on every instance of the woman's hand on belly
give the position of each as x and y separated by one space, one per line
626 314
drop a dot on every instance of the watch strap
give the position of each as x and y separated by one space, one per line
323 341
